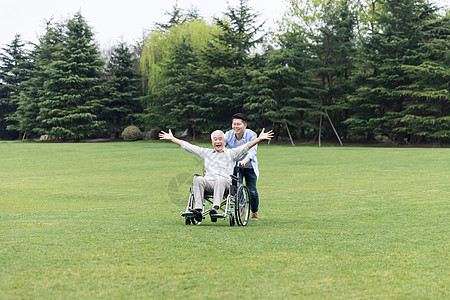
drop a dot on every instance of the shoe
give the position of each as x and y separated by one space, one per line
198 214
255 216
241 212
213 211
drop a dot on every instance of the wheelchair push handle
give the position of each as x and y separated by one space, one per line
235 176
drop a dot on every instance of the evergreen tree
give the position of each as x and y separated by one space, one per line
237 37
182 91
156 57
335 49
74 89
283 91
43 55
15 68
122 102
178 16
228 61
426 114
380 101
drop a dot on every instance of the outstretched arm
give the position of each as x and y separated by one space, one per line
262 136
169 136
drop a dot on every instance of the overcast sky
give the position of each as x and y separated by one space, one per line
112 20
115 20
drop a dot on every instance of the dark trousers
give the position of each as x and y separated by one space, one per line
250 182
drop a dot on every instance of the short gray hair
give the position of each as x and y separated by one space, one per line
217 132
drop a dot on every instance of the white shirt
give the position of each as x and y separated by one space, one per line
217 164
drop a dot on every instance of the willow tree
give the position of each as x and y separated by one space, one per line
158 55
159 46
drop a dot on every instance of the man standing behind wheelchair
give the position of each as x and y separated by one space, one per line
219 164
236 137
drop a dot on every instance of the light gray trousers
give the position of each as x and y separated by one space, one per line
200 185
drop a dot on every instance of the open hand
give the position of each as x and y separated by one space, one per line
166 135
266 135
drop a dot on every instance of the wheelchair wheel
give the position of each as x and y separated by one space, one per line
195 222
242 207
232 220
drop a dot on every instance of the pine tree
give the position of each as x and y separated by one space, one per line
228 61
177 17
156 57
73 88
182 91
334 48
380 101
43 55
426 114
15 69
122 102
283 91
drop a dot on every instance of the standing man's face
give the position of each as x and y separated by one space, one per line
238 126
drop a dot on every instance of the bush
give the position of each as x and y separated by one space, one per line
131 133
154 134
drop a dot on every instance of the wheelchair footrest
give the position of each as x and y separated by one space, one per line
219 216
187 214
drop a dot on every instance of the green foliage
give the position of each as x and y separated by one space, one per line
386 101
122 100
178 16
159 46
282 90
131 133
74 89
15 70
427 113
63 99
238 35
335 48
228 62
378 69
181 94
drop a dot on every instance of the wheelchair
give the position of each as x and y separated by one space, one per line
235 204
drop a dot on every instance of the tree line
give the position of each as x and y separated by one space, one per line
347 69
64 88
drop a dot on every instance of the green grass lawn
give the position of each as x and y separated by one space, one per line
99 221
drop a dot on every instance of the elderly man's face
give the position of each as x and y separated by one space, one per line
218 142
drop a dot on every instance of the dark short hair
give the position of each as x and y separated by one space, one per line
240 116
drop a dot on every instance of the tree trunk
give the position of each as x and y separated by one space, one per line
320 130
334 129
289 133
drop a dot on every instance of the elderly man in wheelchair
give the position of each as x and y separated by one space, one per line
216 183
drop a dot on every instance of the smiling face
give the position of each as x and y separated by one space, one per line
218 140
238 126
